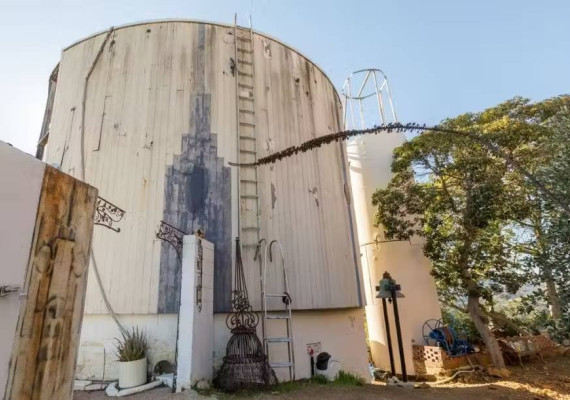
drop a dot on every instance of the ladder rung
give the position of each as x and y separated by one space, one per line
246 124
248 181
247 111
250 228
243 85
244 39
247 151
277 316
277 339
249 196
247 137
246 98
245 51
285 364
244 62
245 74
275 295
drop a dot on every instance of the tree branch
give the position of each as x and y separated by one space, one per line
455 306
445 189
503 320
400 127
492 315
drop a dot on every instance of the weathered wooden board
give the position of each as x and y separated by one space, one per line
162 98
44 353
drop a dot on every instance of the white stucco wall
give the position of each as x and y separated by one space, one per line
97 360
203 336
21 178
341 333
370 159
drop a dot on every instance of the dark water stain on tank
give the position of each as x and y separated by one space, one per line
197 190
197 195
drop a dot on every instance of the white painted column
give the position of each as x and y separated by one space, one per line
196 325
370 160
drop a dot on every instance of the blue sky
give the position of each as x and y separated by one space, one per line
442 57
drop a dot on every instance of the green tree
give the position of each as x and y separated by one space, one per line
547 245
468 196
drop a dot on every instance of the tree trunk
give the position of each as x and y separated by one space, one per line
551 292
553 299
490 341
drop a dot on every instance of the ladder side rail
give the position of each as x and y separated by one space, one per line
236 71
264 286
290 344
259 257
289 324
255 144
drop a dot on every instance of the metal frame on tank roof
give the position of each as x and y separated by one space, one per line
380 89
197 21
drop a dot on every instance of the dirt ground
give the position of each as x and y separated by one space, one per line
536 381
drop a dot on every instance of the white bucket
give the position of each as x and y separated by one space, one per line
132 373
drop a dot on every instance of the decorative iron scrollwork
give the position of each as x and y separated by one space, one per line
242 319
245 365
107 214
199 271
172 235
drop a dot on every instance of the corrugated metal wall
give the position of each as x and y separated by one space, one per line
160 127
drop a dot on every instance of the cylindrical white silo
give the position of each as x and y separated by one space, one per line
153 128
370 158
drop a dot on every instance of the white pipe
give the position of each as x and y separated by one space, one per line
459 371
113 391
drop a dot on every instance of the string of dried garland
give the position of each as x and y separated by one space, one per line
333 137
408 127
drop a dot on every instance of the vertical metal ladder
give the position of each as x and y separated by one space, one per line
243 69
283 315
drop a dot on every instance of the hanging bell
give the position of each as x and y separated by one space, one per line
387 286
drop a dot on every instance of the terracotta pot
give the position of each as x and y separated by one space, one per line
132 373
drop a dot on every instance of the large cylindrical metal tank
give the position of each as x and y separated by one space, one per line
154 108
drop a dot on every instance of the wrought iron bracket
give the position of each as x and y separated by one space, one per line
172 235
107 214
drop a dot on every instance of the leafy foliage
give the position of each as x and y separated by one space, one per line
544 234
132 346
480 198
461 323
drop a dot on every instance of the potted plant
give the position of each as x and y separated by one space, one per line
131 355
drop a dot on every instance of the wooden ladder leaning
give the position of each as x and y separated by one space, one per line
243 67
